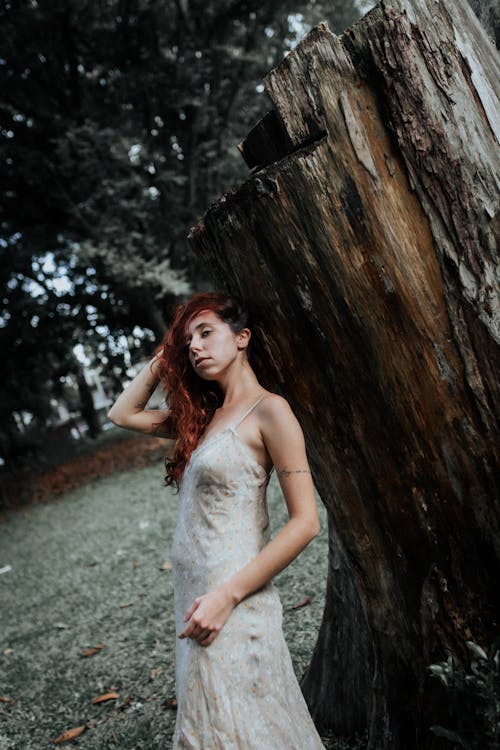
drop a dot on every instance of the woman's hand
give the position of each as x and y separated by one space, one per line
207 615
155 364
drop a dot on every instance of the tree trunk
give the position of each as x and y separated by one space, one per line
87 407
146 310
365 239
9 436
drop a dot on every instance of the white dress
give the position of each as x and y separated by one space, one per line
241 691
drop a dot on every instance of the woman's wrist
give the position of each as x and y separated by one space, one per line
231 593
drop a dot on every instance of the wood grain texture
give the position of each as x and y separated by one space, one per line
370 253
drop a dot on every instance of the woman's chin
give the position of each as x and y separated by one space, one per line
206 375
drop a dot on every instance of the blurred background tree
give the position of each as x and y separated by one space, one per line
119 121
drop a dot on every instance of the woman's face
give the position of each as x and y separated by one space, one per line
212 345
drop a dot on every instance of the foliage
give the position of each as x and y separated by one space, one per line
118 126
474 698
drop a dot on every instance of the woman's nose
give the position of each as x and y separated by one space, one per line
194 347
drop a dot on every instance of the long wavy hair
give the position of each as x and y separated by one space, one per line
192 400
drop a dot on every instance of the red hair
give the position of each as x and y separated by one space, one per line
192 400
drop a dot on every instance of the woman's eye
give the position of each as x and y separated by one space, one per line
207 331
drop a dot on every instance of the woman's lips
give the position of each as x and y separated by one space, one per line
202 361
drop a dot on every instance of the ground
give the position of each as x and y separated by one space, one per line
90 568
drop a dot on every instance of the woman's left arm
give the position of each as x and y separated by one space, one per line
285 443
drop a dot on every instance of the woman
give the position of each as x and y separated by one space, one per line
235 683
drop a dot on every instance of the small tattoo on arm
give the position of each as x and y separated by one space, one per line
287 472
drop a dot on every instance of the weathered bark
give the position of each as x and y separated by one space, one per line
370 254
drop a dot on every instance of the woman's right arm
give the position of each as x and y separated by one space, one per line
129 410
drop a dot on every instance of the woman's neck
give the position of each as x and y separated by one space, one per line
240 388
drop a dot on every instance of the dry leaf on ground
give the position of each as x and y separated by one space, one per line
94 649
105 697
303 603
69 734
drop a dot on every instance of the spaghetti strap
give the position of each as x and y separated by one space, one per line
235 427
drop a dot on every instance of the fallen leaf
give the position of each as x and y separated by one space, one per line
69 734
166 566
126 604
94 649
8 699
155 673
8 651
61 625
171 703
303 603
136 564
106 697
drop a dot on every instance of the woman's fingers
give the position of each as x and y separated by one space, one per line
216 607
191 609
210 639
193 630
197 631
203 635
188 630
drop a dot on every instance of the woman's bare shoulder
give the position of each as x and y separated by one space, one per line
279 427
274 406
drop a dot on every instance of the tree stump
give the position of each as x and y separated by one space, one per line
365 237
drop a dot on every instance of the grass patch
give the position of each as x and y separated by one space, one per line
87 570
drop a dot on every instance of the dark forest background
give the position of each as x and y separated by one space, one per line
119 125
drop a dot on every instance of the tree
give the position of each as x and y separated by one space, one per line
118 122
366 238
131 114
